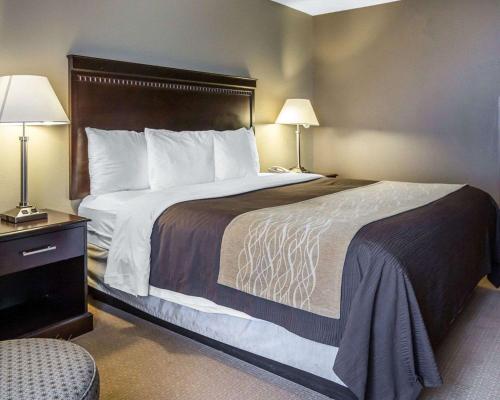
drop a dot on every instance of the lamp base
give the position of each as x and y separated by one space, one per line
23 214
299 170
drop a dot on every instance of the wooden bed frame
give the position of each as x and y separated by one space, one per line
110 94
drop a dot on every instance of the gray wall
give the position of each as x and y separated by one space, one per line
258 38
410 90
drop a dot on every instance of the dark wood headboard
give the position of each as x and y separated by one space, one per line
110 94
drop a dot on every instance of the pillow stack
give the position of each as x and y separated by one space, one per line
160 159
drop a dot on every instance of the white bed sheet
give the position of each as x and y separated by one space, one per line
102 210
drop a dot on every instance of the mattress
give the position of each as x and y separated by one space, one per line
197 314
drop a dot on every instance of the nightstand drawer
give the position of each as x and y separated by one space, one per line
18 255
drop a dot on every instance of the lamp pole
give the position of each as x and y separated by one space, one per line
24 211
299 168
24 169
297 135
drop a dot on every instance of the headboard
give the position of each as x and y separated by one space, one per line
109 94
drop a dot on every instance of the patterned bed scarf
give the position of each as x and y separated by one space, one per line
294 254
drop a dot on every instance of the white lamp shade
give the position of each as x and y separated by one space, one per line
29 99
297 112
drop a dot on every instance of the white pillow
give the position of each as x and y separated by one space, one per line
179 158
118 160
235 154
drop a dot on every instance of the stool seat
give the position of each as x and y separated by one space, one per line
43 369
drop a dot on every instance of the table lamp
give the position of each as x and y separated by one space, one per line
298 112
27 100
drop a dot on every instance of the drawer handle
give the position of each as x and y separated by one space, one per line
38 251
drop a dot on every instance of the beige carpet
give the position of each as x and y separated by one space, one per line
139 360
469 359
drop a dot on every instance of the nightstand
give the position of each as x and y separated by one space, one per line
43 278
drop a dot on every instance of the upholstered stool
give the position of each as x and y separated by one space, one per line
46 369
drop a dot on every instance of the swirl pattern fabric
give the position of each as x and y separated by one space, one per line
281 252
294 254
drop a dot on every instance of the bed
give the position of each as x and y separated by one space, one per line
409 255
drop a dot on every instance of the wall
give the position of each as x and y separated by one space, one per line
255 38
410 91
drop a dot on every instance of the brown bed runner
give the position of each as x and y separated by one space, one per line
193 267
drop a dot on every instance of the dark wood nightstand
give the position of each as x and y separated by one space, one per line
43 278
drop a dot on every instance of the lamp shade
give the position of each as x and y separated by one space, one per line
29 99
297 112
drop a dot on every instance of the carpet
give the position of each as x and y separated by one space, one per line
139 360
469 358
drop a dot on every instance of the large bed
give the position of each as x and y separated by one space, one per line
397 263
